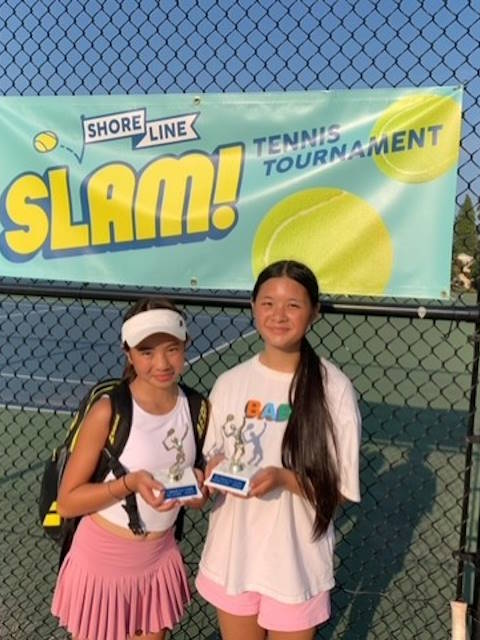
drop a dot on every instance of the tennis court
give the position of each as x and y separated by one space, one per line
413 379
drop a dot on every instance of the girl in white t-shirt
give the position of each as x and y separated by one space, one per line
267 564
113 584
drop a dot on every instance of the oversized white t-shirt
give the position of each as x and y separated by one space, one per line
265 544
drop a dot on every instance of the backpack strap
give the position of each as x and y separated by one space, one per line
105 387
198 407
120 425
130 505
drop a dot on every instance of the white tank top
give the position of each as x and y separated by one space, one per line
145 449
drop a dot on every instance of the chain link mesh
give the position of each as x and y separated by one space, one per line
416 378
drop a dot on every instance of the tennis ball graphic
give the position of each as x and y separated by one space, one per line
45 141
425 131
337 234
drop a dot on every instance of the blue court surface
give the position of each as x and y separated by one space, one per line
50 355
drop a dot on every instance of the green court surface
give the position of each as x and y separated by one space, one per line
396 573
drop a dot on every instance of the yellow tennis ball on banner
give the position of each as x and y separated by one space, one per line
340 236
45 141
423 133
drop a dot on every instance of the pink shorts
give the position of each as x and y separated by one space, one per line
271 614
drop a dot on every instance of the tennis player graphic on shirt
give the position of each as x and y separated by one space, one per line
240 441
255 440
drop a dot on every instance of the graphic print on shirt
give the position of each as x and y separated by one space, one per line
268 411
243 439
254 440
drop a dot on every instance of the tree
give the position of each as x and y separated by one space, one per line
466 243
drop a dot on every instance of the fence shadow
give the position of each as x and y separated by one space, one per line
389 544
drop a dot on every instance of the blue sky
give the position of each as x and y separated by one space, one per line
71 47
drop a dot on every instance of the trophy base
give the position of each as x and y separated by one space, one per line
184 489
225 479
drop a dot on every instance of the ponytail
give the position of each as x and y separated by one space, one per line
309 446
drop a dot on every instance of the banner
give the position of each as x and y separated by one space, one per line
203 191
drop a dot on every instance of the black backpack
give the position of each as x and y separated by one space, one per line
118 390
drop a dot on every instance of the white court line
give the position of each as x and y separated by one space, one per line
24 376
30 409
221 347
43 309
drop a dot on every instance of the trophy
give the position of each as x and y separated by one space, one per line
180 482
232 474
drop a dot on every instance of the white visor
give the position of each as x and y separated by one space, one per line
146 323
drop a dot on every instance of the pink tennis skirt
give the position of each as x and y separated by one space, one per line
111 588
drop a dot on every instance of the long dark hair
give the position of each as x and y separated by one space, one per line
144 304
309 445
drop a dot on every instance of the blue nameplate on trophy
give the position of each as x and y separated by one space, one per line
183 488
228 482
225 479
176 493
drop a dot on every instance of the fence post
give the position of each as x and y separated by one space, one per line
463 556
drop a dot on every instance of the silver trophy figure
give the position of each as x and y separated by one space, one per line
179 481
232 474
171 441
236 433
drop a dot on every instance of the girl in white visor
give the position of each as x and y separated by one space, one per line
113 584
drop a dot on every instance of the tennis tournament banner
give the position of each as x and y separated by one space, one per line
203 191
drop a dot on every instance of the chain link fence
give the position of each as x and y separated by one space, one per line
396 570
407 549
